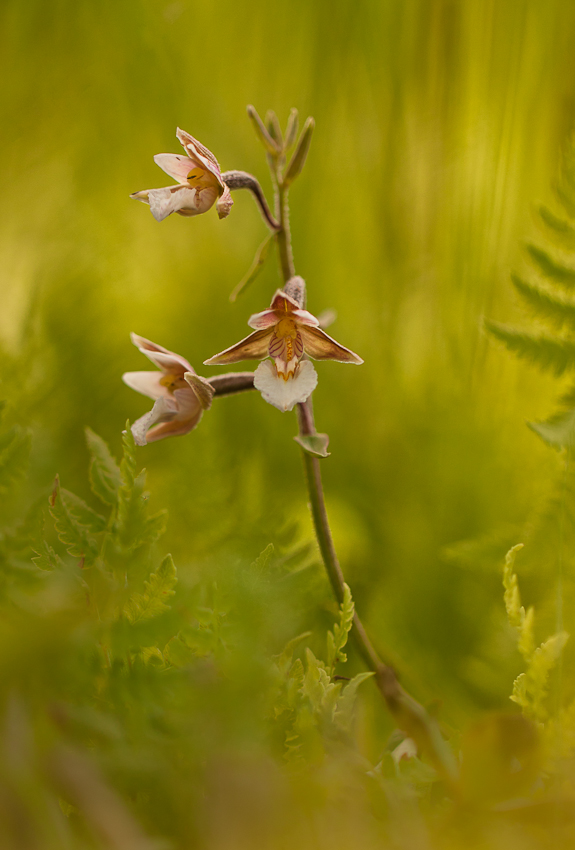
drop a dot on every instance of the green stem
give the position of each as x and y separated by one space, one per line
283 235
409 715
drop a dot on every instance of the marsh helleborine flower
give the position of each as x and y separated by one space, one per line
180 396
285 332
199 181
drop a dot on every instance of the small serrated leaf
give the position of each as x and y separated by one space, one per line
14 452
46 558
262 561
314 444
346 702
158 589
95 522
105 476
75 536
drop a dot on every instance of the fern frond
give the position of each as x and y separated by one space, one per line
551 268
558 431
556 355
560 230
159 588
104 473
337 639
559 311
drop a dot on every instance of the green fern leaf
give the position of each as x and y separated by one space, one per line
558 431
337 639
563 232
158 589
557 310
546 352
346 702
133 526
566 198
93 521
45 558
551 268
14 453
75 536
105 476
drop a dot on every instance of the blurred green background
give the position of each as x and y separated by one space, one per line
439 125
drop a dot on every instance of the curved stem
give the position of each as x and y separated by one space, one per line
409 714
243 180
232 383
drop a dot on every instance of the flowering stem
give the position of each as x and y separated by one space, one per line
410 715
243 180
232 383
283 235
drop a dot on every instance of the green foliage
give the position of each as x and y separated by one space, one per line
14 452
530 688
555 273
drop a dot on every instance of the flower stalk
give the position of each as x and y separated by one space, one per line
408 713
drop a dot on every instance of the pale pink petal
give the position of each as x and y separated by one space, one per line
200 154
285 394
202 388
204 200
178 167
147 383
304 317
141 196
172 428
189 406
320 346
253 347
225 203
164 202
162 411
262 320
161 357
283 302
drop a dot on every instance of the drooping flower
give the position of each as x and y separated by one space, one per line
285 332
180 396
199 182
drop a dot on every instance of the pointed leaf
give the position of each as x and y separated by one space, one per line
158 589
547 352
558 431
105 476
14 452
299 157
45 558
558 310
74 535
548 266
263 559
563 232
273 127
257 265
262 133
346 702
291 129
93 521
314 444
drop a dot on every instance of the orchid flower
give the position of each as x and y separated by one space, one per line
199 181
285 332
180 396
